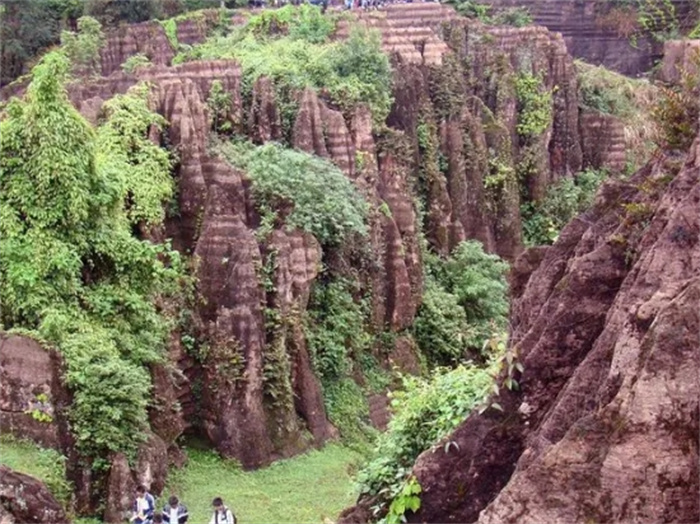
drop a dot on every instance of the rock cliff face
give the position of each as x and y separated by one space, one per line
32 398
604 425
452 142
605 33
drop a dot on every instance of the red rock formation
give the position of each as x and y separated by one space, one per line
32 398
26 499
469 114
604 425
593 34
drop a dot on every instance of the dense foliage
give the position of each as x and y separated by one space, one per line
317 196
291 46
542 221
534 105
464 303
484 11
71 271
83 47
425 411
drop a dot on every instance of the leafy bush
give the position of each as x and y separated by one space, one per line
543 221
219 103
73 272
347 408
83 47
534 105
135 62
319 197
425 411
473 9
336 329
513 16
465 301
441 327
290 47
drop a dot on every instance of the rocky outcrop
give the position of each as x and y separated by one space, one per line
605 33
26 499
604 424
681 57
33 400
452 141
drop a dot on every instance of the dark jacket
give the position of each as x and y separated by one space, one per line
182 515
149 512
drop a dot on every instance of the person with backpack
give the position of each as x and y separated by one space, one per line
222 515
143 507
174 512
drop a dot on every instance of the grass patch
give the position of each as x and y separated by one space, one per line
47 465
630 100
305 489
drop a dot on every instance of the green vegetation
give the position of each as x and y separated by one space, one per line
290 46
464 303
677 110
135 62
336 329
570 196
219 103
305 489
47 465
633 19
319 197
340 344
534 105
74 274
425 411
630 100
513 16
83 47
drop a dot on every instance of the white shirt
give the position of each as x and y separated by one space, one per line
224 517
173 515
141 506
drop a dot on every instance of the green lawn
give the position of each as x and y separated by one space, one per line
310 488
306 489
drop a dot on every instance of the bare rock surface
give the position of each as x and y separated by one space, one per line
24 499
604 425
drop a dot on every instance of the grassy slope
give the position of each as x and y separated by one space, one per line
305 489
28 458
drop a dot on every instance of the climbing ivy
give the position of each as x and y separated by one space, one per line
72 271
534 105
425 410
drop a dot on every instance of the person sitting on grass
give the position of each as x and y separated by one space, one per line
144 506
222 515
157 518
174 512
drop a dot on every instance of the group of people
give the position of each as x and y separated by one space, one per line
174 512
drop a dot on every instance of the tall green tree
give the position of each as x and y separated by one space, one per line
72 271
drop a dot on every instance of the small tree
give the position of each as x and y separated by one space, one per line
83 47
